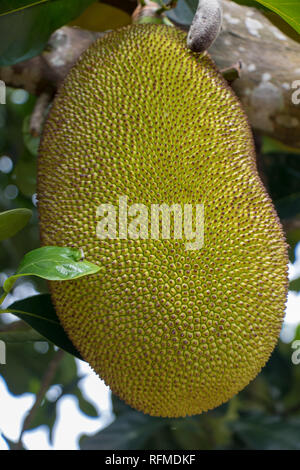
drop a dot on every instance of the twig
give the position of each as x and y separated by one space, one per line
39 113
146 9
45 384
167 6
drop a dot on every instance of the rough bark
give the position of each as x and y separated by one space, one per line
270 64
45 72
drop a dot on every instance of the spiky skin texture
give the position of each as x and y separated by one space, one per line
172 332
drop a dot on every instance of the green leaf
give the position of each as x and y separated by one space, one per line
295 285
261 432
85 406
47 412
11 6
13 221
289 11
52 263
25 32
39 313
250 3
45 416
184 12
270 145
27 363
25 367
128 432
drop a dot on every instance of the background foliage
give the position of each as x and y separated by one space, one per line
265 415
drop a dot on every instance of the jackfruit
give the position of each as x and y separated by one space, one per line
172 331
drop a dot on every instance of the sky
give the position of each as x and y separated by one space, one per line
71 423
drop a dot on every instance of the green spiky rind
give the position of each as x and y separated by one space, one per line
172 332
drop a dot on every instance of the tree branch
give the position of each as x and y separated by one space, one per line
45 384
270 64
45 72
38 116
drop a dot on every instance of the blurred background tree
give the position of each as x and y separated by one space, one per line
266 414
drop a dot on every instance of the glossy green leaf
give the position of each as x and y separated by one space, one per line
289 11
52 263
250 3
39 313
25 32
13 221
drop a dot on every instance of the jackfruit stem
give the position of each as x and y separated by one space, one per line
148 9
206 25
39 113
167 6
